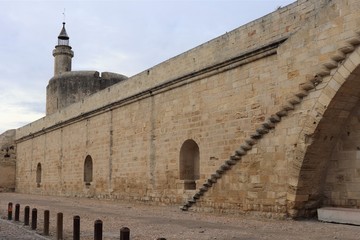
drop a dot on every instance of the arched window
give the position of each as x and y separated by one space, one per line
88 170
189 164
38 174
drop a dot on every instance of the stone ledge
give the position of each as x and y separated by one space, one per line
339 215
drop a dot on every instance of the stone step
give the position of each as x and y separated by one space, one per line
275 118
347 48
339 215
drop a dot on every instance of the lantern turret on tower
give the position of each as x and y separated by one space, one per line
62 53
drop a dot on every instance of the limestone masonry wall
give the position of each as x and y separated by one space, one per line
343 177
7 161
126 141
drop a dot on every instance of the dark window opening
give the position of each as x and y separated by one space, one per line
38 175
88 170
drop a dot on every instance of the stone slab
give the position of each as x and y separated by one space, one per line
339 215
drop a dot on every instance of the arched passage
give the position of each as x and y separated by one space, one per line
189 164
38 174
88 170
312 190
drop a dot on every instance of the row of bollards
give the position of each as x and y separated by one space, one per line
27 217
98 225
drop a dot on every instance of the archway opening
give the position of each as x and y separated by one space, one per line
88 170
327 168
189 164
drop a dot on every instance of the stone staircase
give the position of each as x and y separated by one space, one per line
271 121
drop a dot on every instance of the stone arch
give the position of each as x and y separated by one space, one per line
320 134
88 170
189 164
38 174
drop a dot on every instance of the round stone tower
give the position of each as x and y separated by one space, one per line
62 53
67 87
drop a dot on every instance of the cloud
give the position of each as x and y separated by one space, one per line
106 61
19 106
15 116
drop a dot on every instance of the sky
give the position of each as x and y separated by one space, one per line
123 36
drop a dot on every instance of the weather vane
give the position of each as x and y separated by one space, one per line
64 14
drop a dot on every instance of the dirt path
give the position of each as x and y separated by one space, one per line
152 222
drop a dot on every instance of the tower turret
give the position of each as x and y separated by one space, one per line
67 87
62 53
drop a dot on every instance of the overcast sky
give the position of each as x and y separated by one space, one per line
118 36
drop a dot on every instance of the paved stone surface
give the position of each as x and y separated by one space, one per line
16 231
152 222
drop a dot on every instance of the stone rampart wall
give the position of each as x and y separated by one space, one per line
217 94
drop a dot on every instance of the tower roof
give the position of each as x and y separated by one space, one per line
63 35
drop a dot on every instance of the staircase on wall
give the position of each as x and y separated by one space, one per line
271 121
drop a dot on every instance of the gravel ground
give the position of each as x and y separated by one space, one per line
152 222
16 231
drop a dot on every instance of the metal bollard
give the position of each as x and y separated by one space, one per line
34 219
10 206
17 212
46 222
76 228
98 229
59 226
26 215
124 233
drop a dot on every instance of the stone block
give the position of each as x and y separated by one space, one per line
339 215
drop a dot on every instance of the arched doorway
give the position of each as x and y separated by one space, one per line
189 164
38 175
330 148
88 170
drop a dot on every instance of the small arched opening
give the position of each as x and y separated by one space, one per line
189 164
38 175
88 170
